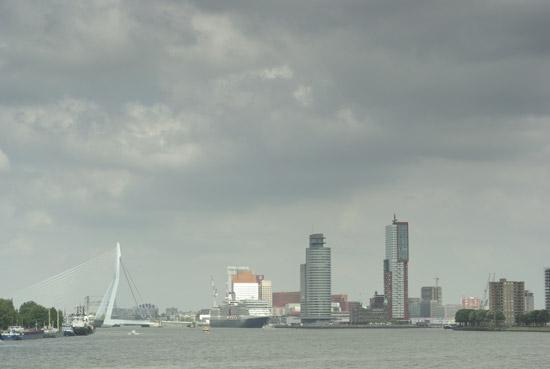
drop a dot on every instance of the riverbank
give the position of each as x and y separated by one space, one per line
504 329
354 327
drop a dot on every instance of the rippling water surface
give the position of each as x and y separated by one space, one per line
282 348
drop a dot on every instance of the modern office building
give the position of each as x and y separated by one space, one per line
529 301
245 286
507 297
282 301
432 293
396 280
547 288
431 301
414 307
265 290
232 271
471 303
315 282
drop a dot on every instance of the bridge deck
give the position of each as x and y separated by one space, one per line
122 322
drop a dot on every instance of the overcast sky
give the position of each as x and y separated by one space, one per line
212 133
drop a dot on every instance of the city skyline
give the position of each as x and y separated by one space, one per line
201 134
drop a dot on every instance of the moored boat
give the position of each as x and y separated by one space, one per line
12 333
17 333
81 326
81 323
50 332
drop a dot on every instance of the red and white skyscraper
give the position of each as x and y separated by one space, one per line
396 270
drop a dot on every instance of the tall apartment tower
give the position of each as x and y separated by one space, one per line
315 282
396 279
547 288
507 297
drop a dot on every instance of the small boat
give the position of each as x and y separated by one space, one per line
133 333
206 329
50 332
17 333
14 333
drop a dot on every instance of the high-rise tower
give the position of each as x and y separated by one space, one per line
507 297
316 281
396 279
547 288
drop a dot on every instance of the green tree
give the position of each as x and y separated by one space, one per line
31 314
53 316
522 319
462 316
8 314
481 317
543 317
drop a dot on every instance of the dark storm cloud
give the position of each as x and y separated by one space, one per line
212 130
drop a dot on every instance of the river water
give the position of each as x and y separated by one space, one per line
163 348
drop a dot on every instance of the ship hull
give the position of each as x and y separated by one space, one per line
82 331
25 336
256 322
10 338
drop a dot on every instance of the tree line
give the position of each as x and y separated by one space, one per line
535 318
478 318
484 318
30 314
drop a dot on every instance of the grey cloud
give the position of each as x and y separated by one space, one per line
209 130
4 161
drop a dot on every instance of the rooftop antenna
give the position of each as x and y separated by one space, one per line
394 218
436 281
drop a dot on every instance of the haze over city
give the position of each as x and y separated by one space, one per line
201 134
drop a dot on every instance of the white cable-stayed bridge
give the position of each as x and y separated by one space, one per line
67 289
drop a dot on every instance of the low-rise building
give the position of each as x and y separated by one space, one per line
358 314
450 311
341 300
281 299
471 302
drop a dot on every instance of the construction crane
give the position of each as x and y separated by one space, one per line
485 301
214 292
